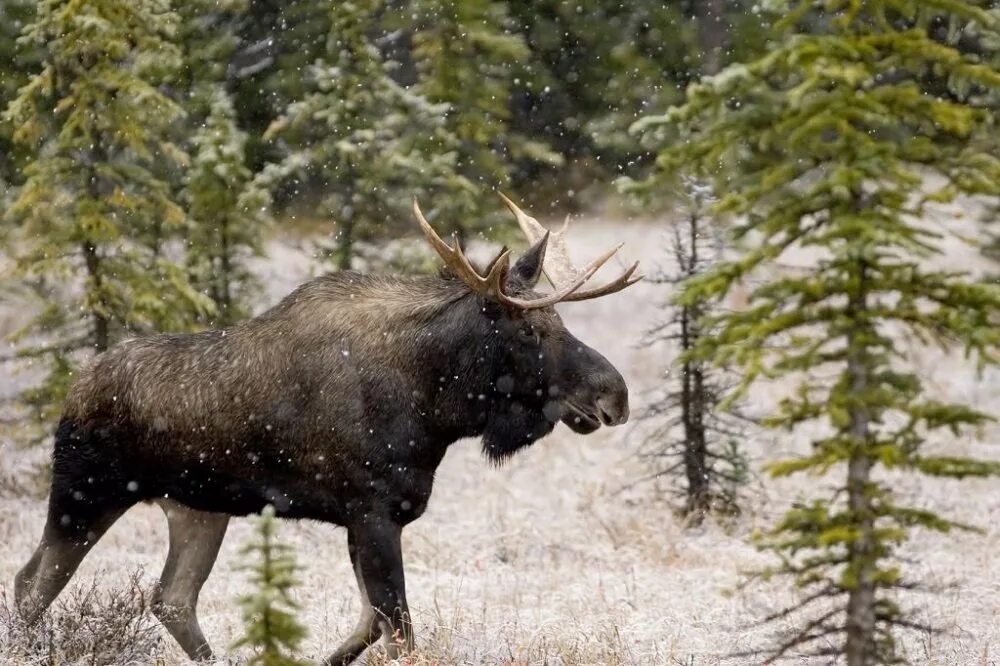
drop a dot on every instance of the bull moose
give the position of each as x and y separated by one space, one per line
336 405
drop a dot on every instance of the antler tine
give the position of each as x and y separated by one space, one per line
562 293
558 267
442 248
455 259
498 274
621 282
466 266
529 225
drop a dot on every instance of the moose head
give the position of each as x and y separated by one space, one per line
544 373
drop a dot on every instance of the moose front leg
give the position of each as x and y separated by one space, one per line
377 556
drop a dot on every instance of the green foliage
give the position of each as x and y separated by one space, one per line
15 63
531 86
227 209
208 35
279 41
468 58
93 212
860 119
597 66
366 141
271 628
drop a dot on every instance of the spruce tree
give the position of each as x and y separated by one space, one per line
468 57
694 441
15 62
271 628
839 140
279 40
226 207
227 211
363 139
207 36
93 217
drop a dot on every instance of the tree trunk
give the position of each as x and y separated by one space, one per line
225 300
861 598
345 245
93 264
92 260
693 402
695 446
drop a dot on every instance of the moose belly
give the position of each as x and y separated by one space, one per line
237 473
222 492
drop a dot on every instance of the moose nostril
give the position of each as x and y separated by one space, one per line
612 411
604 416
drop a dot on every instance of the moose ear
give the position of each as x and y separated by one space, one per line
494 260
528 267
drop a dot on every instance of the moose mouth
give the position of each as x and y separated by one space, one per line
580 420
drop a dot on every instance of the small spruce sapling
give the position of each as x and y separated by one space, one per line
271 628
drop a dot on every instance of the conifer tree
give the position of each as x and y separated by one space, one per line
15 63
279 41
93 215
271 628
207 35
832 141
226 207
695 441
361 137
468 57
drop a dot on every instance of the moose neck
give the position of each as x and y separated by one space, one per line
460 353
468 353
430 341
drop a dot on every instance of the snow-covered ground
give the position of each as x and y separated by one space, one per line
554 559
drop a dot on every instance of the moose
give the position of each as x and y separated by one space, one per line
336 405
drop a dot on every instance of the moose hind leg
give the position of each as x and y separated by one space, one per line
195 538
89 493
66 539
22 581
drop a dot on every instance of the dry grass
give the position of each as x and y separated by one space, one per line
554 560
91 625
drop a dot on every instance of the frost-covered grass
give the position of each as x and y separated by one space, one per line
91 623
555 559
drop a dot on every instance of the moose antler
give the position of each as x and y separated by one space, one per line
491 285
557 265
